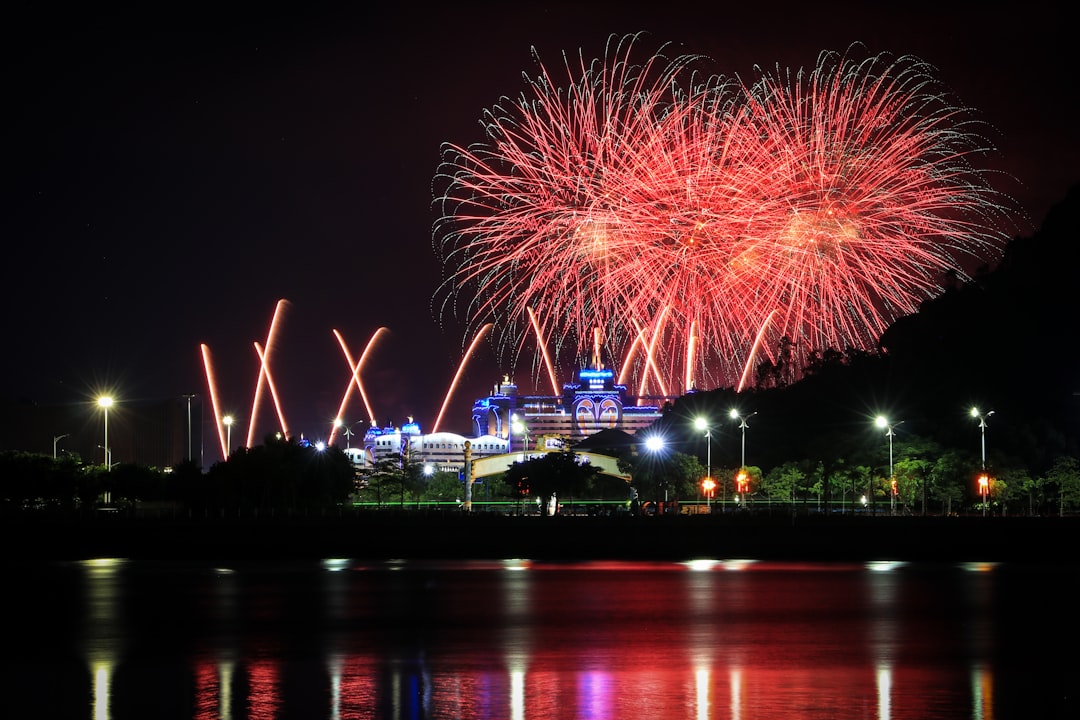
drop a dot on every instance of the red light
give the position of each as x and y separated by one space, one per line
708 485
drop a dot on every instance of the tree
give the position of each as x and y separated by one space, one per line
557 474
781 483
1064 475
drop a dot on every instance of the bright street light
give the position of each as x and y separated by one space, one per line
984 479
517 425
743 477
228 420
982 426
655 444
346 430
105 402
883 422
734 415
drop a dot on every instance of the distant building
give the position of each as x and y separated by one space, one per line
594 403
506 422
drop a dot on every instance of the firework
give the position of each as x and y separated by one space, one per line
699 220
865 193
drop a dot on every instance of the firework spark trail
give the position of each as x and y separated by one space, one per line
806 210
457 375
875 160
211 383
541 342
557 214
263 355
271 335
355 380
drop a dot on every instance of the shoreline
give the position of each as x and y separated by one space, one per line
388 535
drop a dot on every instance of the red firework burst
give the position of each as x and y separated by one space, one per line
702 218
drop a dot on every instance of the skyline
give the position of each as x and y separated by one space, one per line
161 205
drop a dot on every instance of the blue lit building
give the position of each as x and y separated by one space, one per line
594 402
508 422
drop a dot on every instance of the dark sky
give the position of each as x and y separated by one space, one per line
169 178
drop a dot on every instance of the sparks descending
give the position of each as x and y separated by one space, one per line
713 221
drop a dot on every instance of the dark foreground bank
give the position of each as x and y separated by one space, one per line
386 535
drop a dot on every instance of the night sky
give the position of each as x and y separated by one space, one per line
169 178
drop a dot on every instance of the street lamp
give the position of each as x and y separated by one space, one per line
228 420
883 422
189 398
703 424
655 444
519 427
108 456
346 430
56 439
105 402
984 479
734 414
743 478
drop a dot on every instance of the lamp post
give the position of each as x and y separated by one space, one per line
743 476
108 456
655 444
105 402
703 424
228 420
883 422
984 479
346 430
518 426
56 439
189 399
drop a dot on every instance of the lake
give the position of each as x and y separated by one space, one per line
109 638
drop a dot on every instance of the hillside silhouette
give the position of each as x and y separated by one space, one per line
1004 341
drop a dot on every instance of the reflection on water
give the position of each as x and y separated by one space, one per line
514 639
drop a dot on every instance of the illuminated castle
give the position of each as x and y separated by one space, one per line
506 422
593 403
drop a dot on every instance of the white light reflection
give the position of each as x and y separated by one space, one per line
334 664
884 566
701 565
884 688
736 693
517 693
102 683
517 606
225 677
701 683
738 564
103 635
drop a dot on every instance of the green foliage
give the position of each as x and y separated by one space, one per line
282 474
554 473
1064 476
782 483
